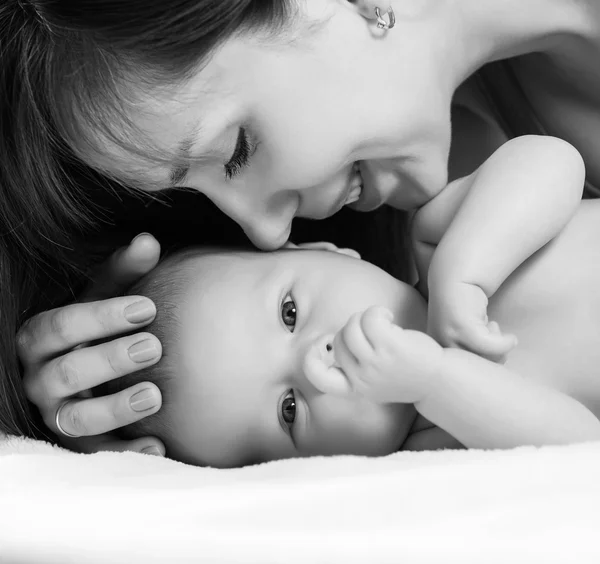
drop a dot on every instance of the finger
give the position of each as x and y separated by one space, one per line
314 246
145 445
58 330
321 373
323 246
100 415
89 367
484 342
107 442
354 339
123 268
344 359
497 359
507 341
318 246
375 323
349 253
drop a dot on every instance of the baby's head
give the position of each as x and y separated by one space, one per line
235 326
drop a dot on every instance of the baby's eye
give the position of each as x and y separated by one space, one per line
288 313
288 409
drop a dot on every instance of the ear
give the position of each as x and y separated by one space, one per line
322 246
367 7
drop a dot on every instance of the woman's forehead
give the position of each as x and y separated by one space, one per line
155 126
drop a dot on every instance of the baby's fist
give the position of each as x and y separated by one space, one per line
377 359
458 318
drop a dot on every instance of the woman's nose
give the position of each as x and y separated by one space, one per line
265 218
267 232
320 369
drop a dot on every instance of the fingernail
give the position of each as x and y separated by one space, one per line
154 451
143 400
143 234
140 311
143 351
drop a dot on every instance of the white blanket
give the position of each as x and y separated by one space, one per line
527 505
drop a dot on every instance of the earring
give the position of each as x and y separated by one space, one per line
381 21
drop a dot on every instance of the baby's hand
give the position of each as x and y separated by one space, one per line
458 318
373 357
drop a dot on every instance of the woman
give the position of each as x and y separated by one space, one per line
273 110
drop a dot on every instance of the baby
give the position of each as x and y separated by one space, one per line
313 352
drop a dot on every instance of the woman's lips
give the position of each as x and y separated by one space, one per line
350 195
354 195
356 185
360 194
369 197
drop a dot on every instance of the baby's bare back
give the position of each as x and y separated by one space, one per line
552 304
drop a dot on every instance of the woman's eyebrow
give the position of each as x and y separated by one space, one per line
180 168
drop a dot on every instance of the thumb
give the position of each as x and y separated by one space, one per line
320 371
491 342
124 267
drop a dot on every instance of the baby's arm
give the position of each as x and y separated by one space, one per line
478 230
485 405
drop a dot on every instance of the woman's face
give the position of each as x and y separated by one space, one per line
301 125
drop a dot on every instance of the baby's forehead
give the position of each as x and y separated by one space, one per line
219 263
213 274
218 271
214 265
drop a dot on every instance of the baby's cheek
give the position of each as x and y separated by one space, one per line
386 427
356 427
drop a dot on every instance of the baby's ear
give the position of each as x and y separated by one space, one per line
322 246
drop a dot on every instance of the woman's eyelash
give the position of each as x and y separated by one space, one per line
241 155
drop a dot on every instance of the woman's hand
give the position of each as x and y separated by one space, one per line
60 368
322 246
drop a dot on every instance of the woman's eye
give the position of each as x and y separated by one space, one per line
288 409
240 157
288 313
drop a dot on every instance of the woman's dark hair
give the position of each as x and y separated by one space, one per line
61 64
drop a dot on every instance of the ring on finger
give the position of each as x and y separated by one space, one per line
57 421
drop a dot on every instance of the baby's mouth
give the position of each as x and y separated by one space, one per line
356 185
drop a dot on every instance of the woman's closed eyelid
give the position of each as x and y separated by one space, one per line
243 151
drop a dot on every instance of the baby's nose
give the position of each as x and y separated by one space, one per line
320 368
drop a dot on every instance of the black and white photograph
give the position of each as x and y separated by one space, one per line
299 281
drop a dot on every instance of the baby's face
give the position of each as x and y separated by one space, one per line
241 395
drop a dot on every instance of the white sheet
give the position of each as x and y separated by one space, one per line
527 505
